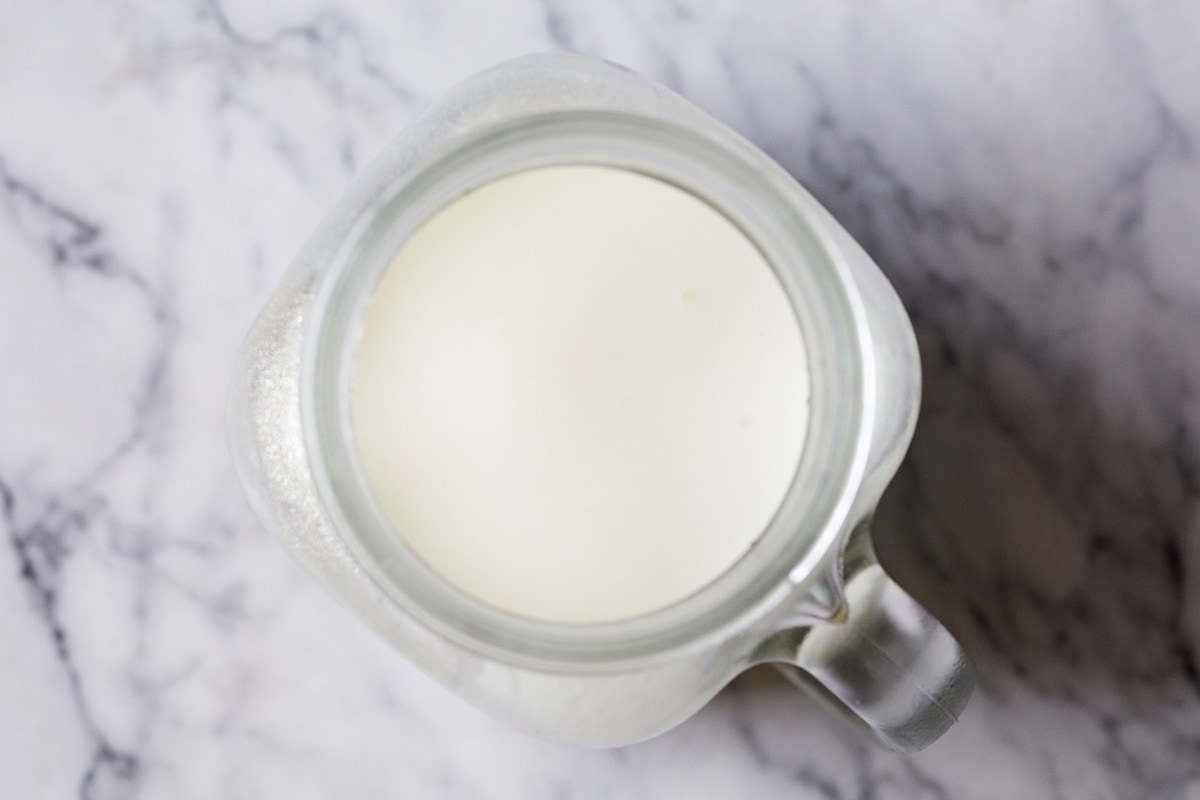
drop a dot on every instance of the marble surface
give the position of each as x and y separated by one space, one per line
1027 174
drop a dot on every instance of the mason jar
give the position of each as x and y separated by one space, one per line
808 595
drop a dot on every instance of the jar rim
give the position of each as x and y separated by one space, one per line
766 204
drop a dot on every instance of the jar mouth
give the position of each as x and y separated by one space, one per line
769 208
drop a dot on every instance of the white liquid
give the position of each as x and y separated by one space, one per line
580 393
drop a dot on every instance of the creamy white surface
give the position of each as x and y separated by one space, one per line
1027 175
580 393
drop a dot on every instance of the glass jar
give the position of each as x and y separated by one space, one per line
808 595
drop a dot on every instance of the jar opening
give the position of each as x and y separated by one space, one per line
756 197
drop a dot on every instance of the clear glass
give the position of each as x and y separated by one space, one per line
809 594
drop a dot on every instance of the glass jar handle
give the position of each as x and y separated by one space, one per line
883 661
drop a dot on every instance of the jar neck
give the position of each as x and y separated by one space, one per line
754 194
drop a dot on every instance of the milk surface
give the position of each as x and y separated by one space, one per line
580 393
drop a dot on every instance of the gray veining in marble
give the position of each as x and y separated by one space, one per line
1026 174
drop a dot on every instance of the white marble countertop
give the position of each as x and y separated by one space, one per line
1027 175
